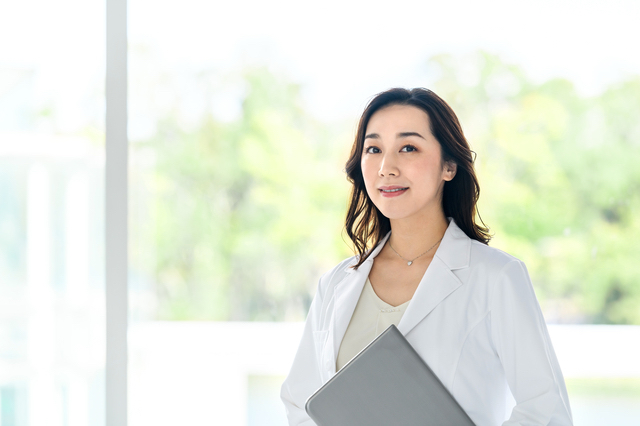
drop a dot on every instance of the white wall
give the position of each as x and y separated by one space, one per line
198 373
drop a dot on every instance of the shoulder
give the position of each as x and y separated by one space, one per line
490 258
505 276
498 268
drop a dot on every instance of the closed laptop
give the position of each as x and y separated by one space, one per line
387 383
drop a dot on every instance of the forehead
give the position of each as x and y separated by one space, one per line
398 118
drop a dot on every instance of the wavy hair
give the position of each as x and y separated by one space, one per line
365 224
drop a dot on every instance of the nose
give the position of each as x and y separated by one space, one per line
388 166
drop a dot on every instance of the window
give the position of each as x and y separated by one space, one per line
52 304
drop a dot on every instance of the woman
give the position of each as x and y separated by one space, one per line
423 264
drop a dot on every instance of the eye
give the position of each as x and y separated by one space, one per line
371 150
408 148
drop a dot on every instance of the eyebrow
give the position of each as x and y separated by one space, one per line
399 135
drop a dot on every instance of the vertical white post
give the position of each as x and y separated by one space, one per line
77 240
116 213
43 406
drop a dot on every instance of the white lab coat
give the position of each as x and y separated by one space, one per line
474 319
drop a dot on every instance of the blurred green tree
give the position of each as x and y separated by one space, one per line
559 181
248 214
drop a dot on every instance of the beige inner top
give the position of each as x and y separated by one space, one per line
371 317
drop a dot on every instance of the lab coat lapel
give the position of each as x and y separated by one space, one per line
438 281
347 294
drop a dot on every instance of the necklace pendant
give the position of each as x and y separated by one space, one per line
410 262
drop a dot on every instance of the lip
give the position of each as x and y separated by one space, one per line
402 189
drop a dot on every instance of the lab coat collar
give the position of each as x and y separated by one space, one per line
377 249
438 281
436 284
347 293
455 248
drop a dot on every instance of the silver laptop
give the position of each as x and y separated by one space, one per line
387 383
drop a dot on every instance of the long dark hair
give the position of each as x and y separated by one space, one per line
365 224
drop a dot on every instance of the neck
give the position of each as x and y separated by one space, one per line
414 235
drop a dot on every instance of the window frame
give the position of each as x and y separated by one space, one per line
116 207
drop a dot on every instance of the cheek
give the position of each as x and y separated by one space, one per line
369 175
367 170
431 169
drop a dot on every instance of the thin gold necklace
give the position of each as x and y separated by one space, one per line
409 262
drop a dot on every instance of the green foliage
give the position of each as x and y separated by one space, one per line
560 184
247 215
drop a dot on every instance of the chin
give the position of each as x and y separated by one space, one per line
398 212
394 214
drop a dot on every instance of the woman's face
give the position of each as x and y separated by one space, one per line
401 163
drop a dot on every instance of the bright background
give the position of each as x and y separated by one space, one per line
241 116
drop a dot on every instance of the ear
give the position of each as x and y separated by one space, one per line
449 170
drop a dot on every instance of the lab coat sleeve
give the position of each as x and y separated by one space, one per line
522 342
304 377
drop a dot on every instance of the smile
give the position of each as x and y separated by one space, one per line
394 192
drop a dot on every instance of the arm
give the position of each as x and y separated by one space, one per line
304 377
524 347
